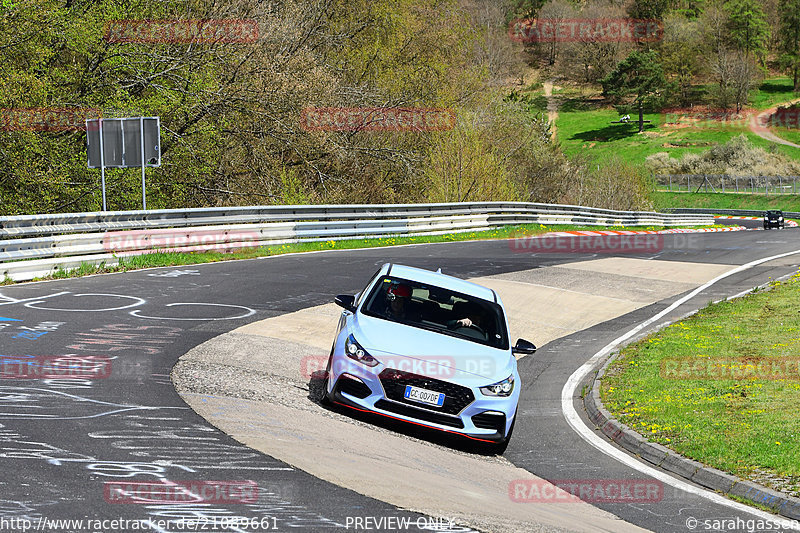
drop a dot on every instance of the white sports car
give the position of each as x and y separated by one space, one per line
429 349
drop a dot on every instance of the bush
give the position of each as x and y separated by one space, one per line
737 157
616 184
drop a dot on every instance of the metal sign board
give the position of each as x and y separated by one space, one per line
122 142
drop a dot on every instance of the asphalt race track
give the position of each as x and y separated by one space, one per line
62 441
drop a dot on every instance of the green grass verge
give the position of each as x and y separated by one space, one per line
748 427
584 128
163 259
667 200
773 92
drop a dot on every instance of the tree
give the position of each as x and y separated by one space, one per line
555 12
744 75
748 27
714 26
640 76
595 58
678 51
722 68
648 9
789 36
527 8
691 9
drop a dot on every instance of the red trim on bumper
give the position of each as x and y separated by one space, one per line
416 423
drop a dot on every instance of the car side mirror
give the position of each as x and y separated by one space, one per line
523 347
348 301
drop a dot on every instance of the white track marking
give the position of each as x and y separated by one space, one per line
574 420
249 312
139 301
7 300
27 396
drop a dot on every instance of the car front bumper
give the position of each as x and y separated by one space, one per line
481 417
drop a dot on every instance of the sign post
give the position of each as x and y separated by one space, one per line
123 143
141 131
102 162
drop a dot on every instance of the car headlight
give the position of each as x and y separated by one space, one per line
502 388
356 352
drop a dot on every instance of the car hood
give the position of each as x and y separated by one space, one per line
432 354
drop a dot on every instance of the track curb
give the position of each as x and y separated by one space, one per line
711 478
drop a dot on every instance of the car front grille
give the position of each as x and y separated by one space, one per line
456 397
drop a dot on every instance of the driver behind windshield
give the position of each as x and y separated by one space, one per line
471 317
398 297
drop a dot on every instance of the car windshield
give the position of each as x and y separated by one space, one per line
439 310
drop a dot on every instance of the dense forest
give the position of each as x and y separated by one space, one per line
232 109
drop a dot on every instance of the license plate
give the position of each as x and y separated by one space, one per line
415 394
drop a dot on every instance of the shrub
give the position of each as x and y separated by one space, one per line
737 157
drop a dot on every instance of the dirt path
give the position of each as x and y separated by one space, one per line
552 107
760 127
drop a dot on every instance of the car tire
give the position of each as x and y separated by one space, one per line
325 398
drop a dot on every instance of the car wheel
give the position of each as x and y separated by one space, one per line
325 398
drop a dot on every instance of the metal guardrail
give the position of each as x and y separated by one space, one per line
730 212
37 245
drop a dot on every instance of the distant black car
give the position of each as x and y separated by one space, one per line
773 219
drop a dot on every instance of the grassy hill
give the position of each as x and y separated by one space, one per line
585 127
